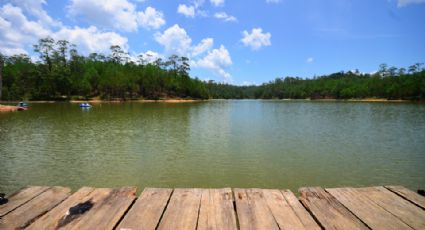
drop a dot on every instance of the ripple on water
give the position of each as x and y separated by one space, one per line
270 144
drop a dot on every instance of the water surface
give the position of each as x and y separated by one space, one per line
267 144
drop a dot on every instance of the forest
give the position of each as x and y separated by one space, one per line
61 73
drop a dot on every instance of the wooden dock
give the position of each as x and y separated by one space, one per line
389 207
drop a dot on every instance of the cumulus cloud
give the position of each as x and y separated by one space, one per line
91 39
35 8
310 60
116 14
198 3
151 18
191 11
225 17
18 33
256 39
204 45
188 11
216 60
175 40
217 2
16 30
401 3
147 57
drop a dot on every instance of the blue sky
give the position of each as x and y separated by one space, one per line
235 41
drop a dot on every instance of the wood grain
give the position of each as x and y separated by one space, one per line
30 211
109 207
302 214
21 197
217 210
52 219
148 209
281 210
328 211
408 195
253 211
182 210
369 212
407 212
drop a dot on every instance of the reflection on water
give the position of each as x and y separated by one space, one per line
271 144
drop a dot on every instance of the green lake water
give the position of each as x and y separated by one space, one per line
267 144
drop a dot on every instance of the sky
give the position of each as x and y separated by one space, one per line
235 41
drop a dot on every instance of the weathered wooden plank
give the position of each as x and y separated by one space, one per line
281 210
407 212
328 211
182 210
252 210
30 211
408 195
21 197
60 214
302 214
369 212
148 209
109 205
217 210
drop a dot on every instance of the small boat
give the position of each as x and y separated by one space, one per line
85 105
22 104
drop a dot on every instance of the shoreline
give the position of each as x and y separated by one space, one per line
8 108
96 101
173 101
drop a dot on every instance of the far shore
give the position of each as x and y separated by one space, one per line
94 101
8 107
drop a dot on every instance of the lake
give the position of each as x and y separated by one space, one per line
267 144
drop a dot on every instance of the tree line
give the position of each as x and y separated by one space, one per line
61 73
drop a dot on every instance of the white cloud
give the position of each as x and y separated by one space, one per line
148 57
256 39
401 3
273 1
216 60
91 39
310 60
35 8
117 14
204 45
225 17
188 11
16 30
175 40
248 83
18 33
198 3
151 18
191 11
217 2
